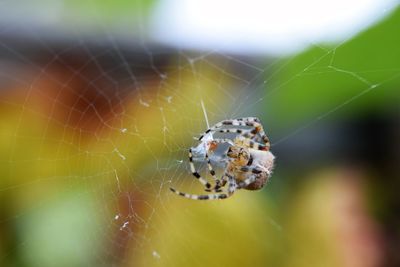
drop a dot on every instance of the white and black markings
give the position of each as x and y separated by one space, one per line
195 173
248 161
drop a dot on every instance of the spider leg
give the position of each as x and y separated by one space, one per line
248 122
234 122
232 188
213 145
203 181
249 134
222 181
220 184
212 172
201 197
253 144
244 132
259 130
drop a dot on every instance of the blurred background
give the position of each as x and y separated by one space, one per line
100 100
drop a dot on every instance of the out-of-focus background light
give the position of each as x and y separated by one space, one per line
263 26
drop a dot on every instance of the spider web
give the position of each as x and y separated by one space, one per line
96 129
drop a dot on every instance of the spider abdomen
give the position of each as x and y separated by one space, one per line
259 183
264 161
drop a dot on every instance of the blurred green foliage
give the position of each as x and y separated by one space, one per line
329 78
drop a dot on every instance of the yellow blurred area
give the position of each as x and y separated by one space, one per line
237 232
325 225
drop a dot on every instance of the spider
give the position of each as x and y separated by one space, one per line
248 160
